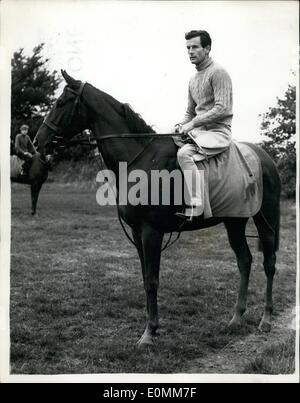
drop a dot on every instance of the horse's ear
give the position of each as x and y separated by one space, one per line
69 80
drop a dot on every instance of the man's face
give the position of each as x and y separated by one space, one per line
24 130
195 50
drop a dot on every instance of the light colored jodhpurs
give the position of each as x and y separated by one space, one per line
207 144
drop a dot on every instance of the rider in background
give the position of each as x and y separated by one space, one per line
24 149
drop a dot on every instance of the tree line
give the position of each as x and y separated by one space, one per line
33 93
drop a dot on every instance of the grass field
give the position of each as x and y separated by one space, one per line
78 305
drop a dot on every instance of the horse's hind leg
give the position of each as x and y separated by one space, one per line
237 239
268 241
136 233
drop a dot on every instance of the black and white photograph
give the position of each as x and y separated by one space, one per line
149 193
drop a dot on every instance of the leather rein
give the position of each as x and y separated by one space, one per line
64 143
58 130
108 136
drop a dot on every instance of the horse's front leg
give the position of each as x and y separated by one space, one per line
35 191
151 244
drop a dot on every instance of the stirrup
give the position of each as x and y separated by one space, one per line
190 213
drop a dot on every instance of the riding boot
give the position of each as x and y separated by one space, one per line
191 212
25 168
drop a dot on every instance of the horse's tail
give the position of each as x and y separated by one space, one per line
268 218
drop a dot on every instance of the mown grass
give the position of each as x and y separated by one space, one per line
77 298
279 358
79 174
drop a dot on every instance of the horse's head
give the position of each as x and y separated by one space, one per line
66 118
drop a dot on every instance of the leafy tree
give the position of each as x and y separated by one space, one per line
32 91
279 129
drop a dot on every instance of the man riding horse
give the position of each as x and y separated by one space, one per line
123 136
24 149
206 127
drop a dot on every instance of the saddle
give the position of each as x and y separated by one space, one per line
233 185
16 165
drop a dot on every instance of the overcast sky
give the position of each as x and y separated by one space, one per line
136 51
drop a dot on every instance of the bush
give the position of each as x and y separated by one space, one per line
279 129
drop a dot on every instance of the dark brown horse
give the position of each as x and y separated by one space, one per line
37 175
81 106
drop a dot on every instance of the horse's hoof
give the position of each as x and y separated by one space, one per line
264 327
145 341
235 324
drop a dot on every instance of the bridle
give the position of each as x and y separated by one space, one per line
59 139
58 130
52 126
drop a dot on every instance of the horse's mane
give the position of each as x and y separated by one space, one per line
135 122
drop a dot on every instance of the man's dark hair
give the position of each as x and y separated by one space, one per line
204 37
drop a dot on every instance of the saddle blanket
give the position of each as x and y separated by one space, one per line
15 166
233 185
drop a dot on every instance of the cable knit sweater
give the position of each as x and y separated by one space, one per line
210 96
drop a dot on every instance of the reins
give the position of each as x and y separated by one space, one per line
134 135
60 142
92 143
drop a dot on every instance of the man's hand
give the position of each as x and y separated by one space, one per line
187 127
176 129
28 155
